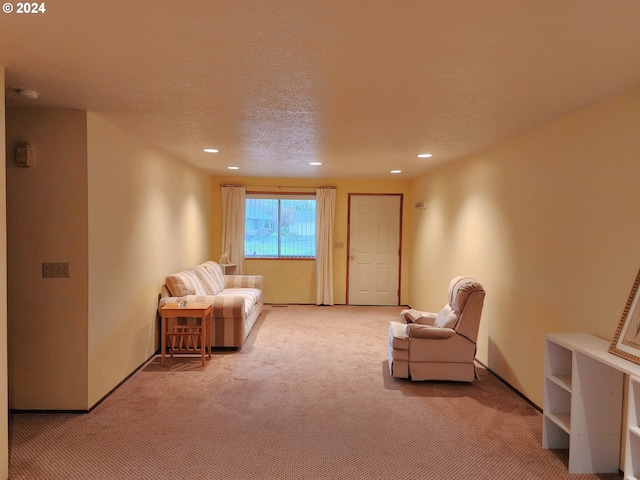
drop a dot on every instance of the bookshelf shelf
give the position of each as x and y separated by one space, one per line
632 449
583 390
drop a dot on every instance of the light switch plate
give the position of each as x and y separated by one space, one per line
55 270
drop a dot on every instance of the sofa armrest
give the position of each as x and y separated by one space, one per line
428 332
166 299
244 281
224 306
228 306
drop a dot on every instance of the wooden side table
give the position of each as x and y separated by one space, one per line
185 338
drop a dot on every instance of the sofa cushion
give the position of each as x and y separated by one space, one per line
184 283
215 275
210 283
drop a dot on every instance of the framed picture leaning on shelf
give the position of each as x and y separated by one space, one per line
626 341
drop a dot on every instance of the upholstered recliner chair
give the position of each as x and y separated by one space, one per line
429 346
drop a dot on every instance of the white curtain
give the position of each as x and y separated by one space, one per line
325 212
233 208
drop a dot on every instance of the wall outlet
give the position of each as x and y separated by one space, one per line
55 270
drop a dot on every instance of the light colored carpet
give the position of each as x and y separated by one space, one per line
309 396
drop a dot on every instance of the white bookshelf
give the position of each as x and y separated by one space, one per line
583 397
632 451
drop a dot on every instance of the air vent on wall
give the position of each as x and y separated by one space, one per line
420 204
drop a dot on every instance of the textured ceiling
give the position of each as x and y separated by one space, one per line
361 86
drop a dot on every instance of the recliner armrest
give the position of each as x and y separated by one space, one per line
417 316
427 318
427 332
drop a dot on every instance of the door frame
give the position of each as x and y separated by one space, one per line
400 247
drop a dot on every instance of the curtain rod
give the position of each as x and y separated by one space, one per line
277 186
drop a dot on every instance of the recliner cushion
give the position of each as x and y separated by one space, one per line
462 293
447 318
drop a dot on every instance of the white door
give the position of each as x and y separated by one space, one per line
374 249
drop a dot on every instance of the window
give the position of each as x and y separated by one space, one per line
280 226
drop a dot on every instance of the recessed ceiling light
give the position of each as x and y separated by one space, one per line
210 150
425 155
395 171
233 168
315 163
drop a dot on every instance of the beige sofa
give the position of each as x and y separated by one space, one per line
237 299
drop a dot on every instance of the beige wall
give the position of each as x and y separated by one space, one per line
148 217
548 222
293 281
4 399
124 215
47 222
